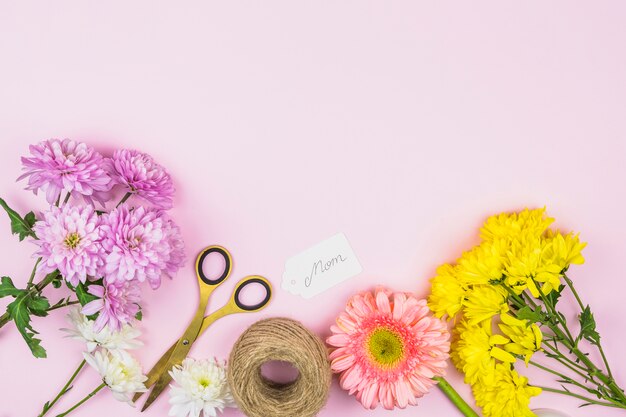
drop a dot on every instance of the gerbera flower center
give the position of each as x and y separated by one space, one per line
385 346
72 240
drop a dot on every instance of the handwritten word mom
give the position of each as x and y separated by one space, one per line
320 267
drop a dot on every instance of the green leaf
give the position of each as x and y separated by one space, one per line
19 312
30 219
8 289
139 315
553 296
526 313
588 326
83 296
38 305
56 282
20 226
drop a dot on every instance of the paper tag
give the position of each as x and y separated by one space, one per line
321 267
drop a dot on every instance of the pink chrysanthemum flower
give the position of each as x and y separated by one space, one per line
65 165
176 257
117 304
142 176
388 347
69 240
141 244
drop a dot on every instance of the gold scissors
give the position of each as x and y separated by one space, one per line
159 374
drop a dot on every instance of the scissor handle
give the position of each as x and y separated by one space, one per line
228 264
252 279
235 305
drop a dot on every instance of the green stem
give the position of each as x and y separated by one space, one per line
563 377
529 299
580 397
570 364
32 274
570 284
81 402
4 319
553 313
595 371
67 198
64 390
568 341
65 304
454 396
123 200
514 297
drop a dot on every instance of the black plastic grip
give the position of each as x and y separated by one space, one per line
259 305
227 266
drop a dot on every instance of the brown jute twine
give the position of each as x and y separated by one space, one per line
279 339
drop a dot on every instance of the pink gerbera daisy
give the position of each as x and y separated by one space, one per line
141 175
387 348
117 304
65 165
69 240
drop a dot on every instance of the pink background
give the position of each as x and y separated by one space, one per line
401 124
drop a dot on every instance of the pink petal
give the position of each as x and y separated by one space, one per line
403 393
93 307
338 340
350 379
369 396
382 302
398 305
342 363
386 396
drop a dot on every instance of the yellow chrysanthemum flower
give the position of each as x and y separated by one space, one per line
447 293
506 395
484 264
455 338
525 337
564 250
484 302
512 225
528 264
477 351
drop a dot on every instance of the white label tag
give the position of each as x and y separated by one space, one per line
321 267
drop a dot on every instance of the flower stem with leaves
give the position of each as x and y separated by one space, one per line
565 348
66 388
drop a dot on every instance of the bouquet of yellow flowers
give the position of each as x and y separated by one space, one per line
503 296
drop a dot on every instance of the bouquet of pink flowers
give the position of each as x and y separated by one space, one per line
102 254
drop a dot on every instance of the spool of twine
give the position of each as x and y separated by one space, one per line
279 339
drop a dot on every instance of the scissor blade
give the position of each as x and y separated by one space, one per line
178 353
159 386
157 370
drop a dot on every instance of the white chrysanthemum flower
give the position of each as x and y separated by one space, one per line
106 338
201 386
120 372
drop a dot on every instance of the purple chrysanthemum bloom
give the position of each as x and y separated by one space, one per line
142 176
69 240
141 244
176 257
56 165
117 304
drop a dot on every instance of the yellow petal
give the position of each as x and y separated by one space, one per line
512 321
498 339
502 355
